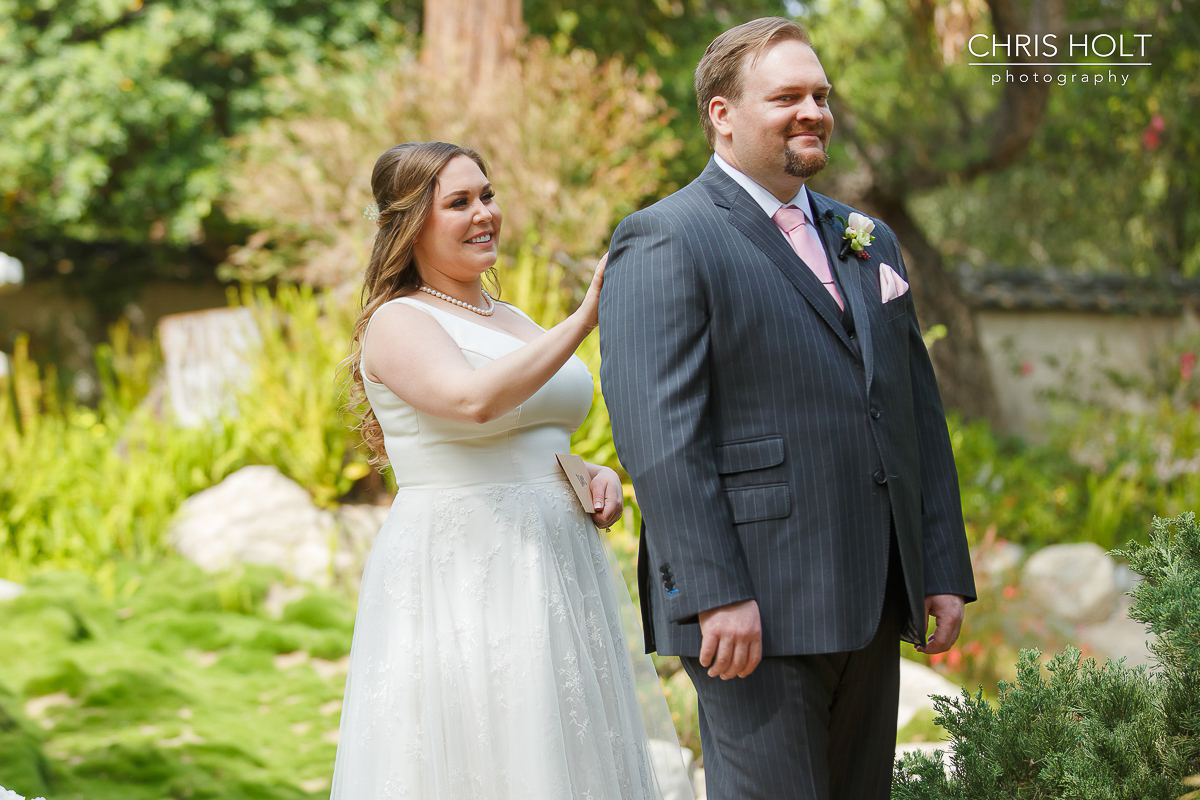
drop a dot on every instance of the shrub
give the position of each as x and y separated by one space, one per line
23 765
1002 622
1030 494
1136 465
1081 730
186 686
574 145
80 486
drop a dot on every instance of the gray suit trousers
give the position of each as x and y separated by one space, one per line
810 727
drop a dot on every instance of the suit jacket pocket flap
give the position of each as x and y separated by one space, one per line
749 454
753 503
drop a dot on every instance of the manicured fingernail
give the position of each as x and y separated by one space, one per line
599 505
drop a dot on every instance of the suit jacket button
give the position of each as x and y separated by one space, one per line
880 476
874 412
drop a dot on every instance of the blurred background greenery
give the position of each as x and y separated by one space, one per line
152 141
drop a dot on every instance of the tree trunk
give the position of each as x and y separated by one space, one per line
470 43
890 171
964 378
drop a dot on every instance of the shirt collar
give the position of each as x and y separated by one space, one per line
769 203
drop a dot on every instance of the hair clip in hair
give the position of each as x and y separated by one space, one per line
371 212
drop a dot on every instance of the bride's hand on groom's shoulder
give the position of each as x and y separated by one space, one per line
589 309
606 497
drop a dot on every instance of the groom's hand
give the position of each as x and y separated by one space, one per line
732 643
947 611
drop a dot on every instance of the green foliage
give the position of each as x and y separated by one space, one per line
1042 211
80 486
117 112
156 700
291 412
1094 479
574 144
23 763
921 728
1085 730
1002 622
1139 464
1027 493
664 37
1168 601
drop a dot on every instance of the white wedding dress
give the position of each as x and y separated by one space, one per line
488 659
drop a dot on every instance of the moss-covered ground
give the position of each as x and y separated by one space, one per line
169 682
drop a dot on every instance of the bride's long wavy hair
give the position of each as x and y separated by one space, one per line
404 183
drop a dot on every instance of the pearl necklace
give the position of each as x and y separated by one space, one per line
483 312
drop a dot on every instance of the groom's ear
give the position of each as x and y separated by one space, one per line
719 110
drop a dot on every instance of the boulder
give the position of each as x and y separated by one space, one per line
992 561
671 765
1118 637
10 590
357 525
12 273
207 359
918 686
1076 582
257 516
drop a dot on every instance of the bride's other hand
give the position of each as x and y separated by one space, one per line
590 307
606 496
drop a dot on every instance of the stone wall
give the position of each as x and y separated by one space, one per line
1036 354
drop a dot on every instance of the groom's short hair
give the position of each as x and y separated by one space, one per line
719 73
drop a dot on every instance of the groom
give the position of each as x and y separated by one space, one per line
776 408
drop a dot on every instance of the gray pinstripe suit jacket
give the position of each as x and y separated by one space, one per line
770 450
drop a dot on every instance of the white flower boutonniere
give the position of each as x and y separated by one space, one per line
856 235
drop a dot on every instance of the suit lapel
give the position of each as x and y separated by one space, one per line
748 217
850 276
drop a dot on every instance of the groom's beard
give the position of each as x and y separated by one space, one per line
809 162
804 165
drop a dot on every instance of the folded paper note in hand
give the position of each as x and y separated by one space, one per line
581 481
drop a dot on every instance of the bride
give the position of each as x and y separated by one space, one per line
488 659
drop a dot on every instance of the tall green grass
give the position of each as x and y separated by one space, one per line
82 485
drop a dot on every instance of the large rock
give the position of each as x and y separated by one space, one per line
357 525
257 516
10 590
1118 637
918 686
995 560
1076 582
207 359
12 273
671 764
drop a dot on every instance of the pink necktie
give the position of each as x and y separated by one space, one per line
791 221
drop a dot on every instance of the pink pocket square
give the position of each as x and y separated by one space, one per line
891 285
